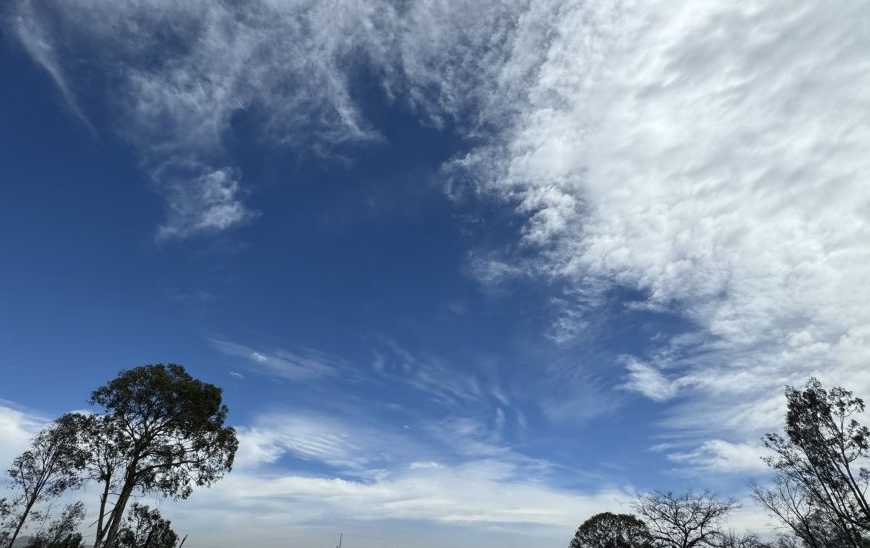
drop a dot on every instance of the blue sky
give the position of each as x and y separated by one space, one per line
466 272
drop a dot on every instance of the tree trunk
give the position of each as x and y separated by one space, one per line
21 521
98 539
118 512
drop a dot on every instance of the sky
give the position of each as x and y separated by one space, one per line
467 272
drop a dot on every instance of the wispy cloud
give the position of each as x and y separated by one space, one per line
300 364
17 426
710 155
649 381
431 375
723 457
201 200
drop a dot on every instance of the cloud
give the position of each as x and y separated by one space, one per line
431 375
17 427
710 155
180 72
207 202
299 365
723 457
649 381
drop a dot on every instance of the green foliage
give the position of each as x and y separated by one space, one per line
146 528
167 435
612 531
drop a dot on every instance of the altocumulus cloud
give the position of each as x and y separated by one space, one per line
710 155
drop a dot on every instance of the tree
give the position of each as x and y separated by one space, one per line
105 463
146 528
688 520
821 474
612 531
6 509
789 503
46 470
732 540
167 431
62 532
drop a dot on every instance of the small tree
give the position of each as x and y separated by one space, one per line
46 470
688 520
146 528
6 508
62 532
612 531
167 431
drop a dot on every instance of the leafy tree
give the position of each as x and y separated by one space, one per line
62 532
146 528
165 434
46 470
821 468
106 461
687 520
612 531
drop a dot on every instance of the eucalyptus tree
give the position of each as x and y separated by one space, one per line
46 470
162 433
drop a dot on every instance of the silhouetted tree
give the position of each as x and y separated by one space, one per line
732 540
612 531
821 475
46 470
688 520
166 430
62 532
5 524
106 460
146 528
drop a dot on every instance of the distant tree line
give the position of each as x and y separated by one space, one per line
818 493
154 430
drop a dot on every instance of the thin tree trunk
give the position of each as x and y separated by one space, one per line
118 512
21 520
98 539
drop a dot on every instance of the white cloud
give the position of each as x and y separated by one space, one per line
649 381
301 364
208 202
430 375
485 494
710 154
723 457
17 427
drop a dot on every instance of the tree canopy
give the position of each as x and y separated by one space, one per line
167 436
609 530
